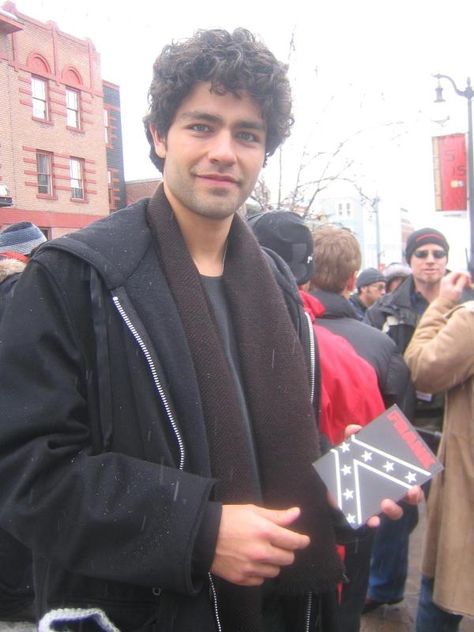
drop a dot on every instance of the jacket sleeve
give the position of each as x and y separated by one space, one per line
374 317
109 515
441 352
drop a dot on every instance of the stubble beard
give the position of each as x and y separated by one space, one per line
216 203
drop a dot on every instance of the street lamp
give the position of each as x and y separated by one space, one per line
467 93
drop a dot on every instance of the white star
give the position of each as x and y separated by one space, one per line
367 456
346 470
345 447
350 518
388 467
411 477
348 494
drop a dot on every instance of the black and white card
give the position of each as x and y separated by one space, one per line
383 460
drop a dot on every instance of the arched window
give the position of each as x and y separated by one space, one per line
40 71
38 65
73 80
71 77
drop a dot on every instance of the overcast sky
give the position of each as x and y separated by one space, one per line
357 65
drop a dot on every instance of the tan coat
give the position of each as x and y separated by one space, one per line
441 357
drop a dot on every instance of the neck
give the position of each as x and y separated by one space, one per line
429 291
206 240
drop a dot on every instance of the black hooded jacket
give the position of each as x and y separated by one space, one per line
102 441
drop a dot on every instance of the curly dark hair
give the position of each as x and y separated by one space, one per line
233 62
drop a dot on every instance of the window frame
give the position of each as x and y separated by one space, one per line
74 111
43 98
107 128
74 160
48 173
110 189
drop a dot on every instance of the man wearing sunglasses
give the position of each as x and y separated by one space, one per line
398 314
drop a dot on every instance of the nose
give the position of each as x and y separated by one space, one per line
222 148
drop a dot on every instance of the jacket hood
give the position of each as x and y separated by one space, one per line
114 246
8 267
400 297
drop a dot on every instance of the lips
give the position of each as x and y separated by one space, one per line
218 178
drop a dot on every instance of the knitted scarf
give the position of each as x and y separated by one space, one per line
276 386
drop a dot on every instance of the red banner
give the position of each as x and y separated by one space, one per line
450 172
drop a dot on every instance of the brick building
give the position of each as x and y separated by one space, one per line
138 189
60 129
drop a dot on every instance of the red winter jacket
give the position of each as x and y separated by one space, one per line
350 383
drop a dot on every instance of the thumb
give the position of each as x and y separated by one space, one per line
281 517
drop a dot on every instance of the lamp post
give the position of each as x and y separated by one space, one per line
467 93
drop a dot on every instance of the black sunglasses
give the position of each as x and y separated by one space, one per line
437 254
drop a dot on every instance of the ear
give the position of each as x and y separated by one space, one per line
351 282
159 142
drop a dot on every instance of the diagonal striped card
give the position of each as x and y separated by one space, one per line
383 460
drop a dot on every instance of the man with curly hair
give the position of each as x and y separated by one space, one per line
157 428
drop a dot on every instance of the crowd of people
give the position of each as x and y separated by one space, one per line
169 375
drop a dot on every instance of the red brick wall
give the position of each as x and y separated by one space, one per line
62 60
138 189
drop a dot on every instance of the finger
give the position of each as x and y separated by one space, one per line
282 517
351 429
331 500
280 557
289 540
391 509
462 281
249 581
265 571
373 522
414 495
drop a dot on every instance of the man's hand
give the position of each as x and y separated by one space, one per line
390 508
253 543
453 284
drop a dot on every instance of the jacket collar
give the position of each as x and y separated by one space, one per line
333 305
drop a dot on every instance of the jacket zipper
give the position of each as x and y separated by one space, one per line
156 379
214 600
308 612
171 418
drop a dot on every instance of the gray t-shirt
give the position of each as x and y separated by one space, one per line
215 292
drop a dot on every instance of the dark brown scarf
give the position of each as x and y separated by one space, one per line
278 397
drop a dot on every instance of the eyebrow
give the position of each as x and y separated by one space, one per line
213 118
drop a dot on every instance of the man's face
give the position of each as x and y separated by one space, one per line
371 293
213 152
428 264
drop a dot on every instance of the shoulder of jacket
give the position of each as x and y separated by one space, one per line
114 245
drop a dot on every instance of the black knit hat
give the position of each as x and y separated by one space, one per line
421 238
369 276
286 234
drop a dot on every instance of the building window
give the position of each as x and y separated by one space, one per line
73 108
39 93
76 172
43 168
110 189
107 127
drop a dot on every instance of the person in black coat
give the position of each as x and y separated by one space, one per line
163 365
16 578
